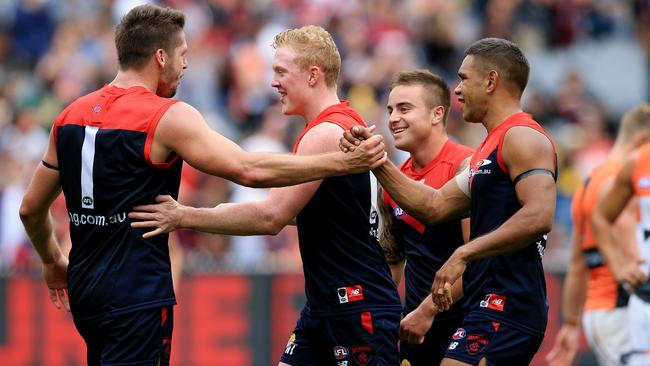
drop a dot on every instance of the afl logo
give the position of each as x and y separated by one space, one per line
87 201
97 108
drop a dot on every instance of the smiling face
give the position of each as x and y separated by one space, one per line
471 90
290 80
172 72
410 120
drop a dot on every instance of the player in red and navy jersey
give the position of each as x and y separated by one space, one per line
418 105
122 146
353 309
509 189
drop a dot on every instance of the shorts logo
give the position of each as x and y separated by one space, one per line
475 344
362 354
452 346
398 212
291 344
350 294
459 334
494 302
340 352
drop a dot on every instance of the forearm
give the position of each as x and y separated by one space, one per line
524 227
603 231
232 219
413 197
40 232
574 293
275 170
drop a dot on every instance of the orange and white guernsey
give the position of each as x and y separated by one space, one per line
641 180
603 293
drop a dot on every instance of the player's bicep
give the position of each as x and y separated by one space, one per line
527 152
183 130
289 201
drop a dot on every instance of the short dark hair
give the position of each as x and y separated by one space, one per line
435 87
505 56
145 29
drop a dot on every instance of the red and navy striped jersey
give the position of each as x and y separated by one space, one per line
427 247
344 266
103 141
510 287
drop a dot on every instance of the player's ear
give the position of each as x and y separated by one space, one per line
492 81
314 74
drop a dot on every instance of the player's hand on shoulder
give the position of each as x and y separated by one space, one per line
164 216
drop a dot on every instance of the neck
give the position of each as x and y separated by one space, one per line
501 108
128 78
322 100
620 151
423 154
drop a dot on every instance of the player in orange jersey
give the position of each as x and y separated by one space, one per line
591 295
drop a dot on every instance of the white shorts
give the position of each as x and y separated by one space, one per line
607 333
639 324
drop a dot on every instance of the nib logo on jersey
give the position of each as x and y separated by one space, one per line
479 167
350 294
494 302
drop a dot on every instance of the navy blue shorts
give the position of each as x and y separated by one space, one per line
359 339
142 337
500 344
432 350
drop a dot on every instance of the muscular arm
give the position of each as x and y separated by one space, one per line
426 204
35 215
183 130
523 149
393 252
250 218
609 223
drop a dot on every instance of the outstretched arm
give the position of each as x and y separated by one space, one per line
523 150
183 130
35 215
426 204
250 218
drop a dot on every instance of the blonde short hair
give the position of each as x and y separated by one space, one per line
314 47
635 121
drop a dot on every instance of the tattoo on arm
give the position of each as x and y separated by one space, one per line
393 252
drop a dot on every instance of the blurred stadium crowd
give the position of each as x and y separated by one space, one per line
590 63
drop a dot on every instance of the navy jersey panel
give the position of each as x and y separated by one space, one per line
427 247
344 266
509 287
104 172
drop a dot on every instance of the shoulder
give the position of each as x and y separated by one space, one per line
323 137
526 139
